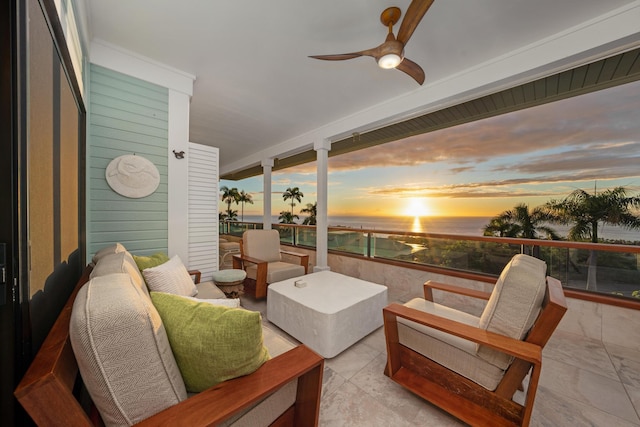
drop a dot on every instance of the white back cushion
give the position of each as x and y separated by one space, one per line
262 244
514 304
123 352
120 262
112 249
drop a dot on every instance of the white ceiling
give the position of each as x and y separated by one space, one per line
255 86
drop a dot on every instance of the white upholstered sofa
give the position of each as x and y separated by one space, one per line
127 364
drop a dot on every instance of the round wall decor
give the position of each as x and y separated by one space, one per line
132 176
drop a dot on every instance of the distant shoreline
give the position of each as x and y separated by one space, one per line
458 225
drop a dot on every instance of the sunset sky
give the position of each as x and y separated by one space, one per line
480 168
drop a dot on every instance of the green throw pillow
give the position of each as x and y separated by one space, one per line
211 343
150 261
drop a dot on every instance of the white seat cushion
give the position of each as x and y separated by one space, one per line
277 271
208 290
450 351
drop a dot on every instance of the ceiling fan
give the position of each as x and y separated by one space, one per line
390 54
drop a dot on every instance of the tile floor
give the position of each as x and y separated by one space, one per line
590 376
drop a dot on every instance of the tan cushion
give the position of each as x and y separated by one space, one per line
514 304
450 351
268 410
448 313
208 290
262 244
277 271
111 249
120 262
123 352
171 277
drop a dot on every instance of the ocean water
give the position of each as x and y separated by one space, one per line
468 226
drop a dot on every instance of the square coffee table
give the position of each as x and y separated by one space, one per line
329 314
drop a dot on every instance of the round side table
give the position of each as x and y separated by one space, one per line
230 282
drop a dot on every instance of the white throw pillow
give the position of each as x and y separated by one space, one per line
227 302
171 277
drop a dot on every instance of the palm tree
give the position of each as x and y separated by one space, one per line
586 211
230 195
312 210
520 222
287 217
244 198
293 194
501 227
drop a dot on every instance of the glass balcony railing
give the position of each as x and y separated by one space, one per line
236 228
610 269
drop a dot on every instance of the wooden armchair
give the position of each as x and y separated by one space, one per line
260 256
471 367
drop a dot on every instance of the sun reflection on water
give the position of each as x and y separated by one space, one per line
417 225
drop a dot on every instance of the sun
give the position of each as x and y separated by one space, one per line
417 206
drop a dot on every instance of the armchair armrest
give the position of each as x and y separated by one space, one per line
197 275
224 400
520 349
302 258
241 258
430 285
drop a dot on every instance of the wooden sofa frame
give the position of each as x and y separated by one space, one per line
456 394
47 390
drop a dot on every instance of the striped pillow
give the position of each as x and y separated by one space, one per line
171 277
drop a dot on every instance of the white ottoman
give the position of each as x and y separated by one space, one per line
329 314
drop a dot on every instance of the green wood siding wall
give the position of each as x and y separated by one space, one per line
126 116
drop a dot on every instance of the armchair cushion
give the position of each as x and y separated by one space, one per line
457 354
262 244
277 271
171 277
514 304
211 343
122 351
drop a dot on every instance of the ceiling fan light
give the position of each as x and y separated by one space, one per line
390 60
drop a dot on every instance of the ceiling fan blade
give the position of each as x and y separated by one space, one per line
412 69
338 57
412 18
343 56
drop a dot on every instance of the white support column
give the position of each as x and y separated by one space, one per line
178 197
322 235
267 164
